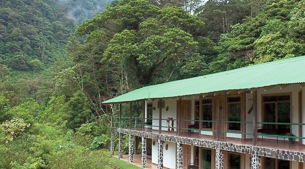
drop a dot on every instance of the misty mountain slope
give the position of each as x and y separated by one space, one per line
32 33
81 10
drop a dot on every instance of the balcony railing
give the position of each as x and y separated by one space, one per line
265 130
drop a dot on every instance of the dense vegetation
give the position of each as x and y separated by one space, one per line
54 76
32 33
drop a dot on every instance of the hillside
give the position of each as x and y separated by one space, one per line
32 33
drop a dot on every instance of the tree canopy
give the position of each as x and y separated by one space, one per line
32 33
143 43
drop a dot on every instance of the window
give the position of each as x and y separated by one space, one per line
234 161
271 163
234 113
149 113
207 112
276 110
206 159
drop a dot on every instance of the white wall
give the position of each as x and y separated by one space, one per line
169 155
154 152
171 112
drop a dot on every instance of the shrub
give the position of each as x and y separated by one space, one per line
13 128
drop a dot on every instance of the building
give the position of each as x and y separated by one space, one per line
250 117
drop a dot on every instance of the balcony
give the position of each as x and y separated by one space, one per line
268 134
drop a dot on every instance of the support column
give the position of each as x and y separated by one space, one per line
130 116
219 159
144 156
160 115
120 116
179 157
112 143
254 142
120 154
111 137
131 148
160 154
143 114
218 117
200 112
255 160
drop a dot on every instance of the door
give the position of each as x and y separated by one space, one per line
185 114
186 155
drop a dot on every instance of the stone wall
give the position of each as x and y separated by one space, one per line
291 155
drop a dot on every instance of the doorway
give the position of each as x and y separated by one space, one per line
185 114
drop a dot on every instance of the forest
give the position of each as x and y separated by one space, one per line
60 59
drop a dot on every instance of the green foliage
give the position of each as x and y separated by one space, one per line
79 111
36 65
220 15
27 111
4 107
138 43
100 142
268 36
31 32
94 135
55 112
13 128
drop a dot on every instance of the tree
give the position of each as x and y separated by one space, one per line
79 111
219 15
135 43
28 111
4 108
263 38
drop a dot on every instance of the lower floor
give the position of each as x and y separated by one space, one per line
164 151
234 161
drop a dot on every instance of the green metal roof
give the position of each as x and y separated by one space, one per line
286 71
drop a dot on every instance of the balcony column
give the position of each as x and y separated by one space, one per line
160 115
130 116
255 160
120 154
179 157
160 154
144 156
120 116
200 112
143 115
254 118
131 148
219 159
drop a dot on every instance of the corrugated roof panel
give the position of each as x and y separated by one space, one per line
287 71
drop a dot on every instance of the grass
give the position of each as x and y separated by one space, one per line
122 164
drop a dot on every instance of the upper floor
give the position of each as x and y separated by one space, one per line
261 106
255 117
